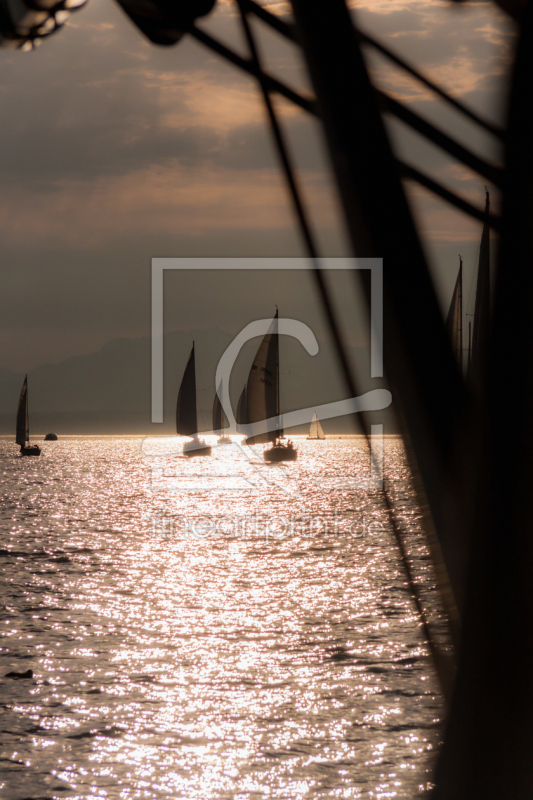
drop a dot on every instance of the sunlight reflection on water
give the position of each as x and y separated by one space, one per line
232 660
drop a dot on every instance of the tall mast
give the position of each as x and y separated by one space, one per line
482 309
454 320
262 387
469 348
220 421
23 427
460 321
275 344
186 413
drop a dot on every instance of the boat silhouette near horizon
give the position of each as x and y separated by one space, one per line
315 429
23 425
187 413
220 421
478 332
260 399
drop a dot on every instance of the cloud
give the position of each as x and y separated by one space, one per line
465 50
113 150
388 7
176 199
199 98
437 222
459 75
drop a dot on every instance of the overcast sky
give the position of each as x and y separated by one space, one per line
113 151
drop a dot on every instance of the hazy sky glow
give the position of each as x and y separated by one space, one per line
113 150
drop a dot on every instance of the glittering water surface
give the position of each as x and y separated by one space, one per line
209 628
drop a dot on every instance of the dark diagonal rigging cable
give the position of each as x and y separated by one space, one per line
325 296
289 32
308 104
423 127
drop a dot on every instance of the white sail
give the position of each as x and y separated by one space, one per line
315 430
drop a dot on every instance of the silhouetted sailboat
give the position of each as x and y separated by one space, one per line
242 413
262 398
23 425
315 429
186 412
220 421
480 333
454 320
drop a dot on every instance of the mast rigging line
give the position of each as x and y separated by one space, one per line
440 139
366 39
440 422
290 32
327 304
423 127
306 103
413 174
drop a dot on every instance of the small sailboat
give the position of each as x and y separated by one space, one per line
50 437
242 410
23 425
477 355
187 414
315 429
454 320
261 398
220 421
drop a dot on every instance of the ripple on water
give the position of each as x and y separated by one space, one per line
202 644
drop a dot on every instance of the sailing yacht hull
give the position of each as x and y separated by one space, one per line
22 433
187 413
196 448
30 450
315 429
204 451
260 399
280 452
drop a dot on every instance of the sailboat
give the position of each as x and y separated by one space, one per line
220 421
315 429
260 398
23 425
454 320
480 335
242 413
187 414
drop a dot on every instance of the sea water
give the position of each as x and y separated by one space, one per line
210 627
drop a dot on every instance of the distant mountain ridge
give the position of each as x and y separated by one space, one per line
110 390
